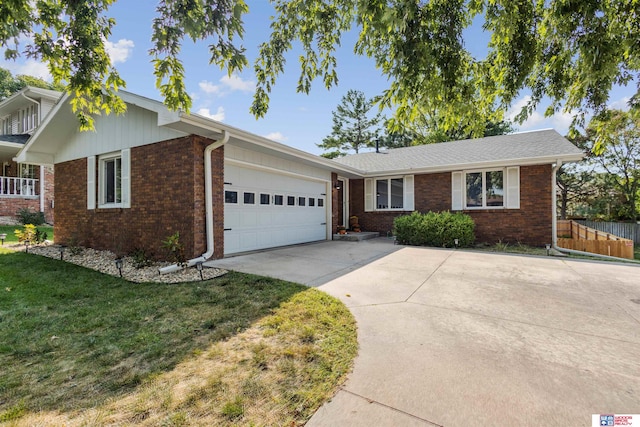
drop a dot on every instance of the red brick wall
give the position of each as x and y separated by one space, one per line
9 206
48 193
167 196
335 204
531 224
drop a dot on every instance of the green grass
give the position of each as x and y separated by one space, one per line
11 237
70 337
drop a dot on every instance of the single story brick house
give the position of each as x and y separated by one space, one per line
150 173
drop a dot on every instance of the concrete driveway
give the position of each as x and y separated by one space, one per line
463 338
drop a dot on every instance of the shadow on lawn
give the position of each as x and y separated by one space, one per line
71 337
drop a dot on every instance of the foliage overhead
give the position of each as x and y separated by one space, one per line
572 52
353 128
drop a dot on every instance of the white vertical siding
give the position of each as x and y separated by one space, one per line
261 159
135 128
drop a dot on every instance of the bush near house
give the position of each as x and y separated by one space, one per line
27 216
439 229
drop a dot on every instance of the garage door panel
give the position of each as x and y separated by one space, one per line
258 226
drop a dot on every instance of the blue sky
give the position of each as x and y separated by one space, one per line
299 120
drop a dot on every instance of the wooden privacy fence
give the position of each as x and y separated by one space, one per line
572 235
627 230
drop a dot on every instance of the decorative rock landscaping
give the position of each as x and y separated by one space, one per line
104 261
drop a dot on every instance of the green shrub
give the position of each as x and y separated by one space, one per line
174 248
27 216
141 258
31 235
434 229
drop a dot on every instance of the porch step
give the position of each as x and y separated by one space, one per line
356 237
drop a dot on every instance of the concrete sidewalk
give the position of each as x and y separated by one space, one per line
465 338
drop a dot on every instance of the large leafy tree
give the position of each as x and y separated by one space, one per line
10 84
572 52
354 126
614 139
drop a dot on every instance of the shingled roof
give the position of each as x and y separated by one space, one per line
17 139
537 147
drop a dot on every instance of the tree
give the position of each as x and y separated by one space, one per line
571 52
352 129
10 84
576 187
614 137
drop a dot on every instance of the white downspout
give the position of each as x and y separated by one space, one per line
554 224
208 197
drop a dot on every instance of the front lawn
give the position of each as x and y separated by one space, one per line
75 342
11 237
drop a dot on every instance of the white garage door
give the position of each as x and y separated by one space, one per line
265 209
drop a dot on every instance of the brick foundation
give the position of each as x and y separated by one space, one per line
531 224
10 205
167 196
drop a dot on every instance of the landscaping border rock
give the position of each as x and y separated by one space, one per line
104 262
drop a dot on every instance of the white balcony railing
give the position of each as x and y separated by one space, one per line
11 186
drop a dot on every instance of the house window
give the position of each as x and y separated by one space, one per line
6 126
320 203
278 200
264 199
28 118
249 198
111 179
312 201
301 201
291 201
389 193
484 189
231 197
28 171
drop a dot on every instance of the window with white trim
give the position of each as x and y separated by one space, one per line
7 128
486 189
113 180
393 193
28 118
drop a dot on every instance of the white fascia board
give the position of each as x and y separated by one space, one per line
11 145
212 128
34 158
24 155
530 161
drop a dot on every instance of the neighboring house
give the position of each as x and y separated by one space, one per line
150 173
24 185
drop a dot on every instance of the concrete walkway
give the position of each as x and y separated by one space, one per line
313 264
463 338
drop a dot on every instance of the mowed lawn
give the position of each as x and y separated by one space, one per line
75 342
9 230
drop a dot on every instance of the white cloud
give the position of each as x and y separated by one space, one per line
560 121
227 85
218 115
235 82
119 51
33 68
276 136
620 104
208 87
